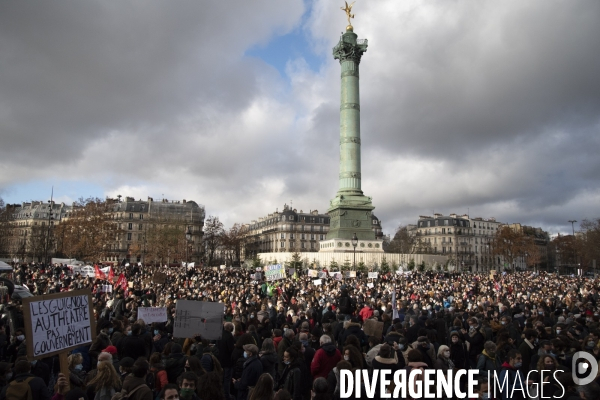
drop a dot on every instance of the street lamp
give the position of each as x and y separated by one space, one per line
188 238
572 221
354 244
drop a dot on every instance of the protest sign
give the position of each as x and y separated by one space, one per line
291 271
152 314
322 275
350 274
372 327
370 285
198 318
87 271
337 276
312 273
159 277
274 272
105 288
317 282
222 266
57 323
373 275
252 276
258 276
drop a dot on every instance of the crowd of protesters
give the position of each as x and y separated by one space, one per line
291 338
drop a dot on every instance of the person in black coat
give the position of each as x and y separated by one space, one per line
133 345
22 371
268 358
225 348
175 363
251 372
291 378
353 328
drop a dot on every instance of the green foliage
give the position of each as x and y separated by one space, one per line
256 262
361 267
411 264
296 261
394 266
333 266
422 266
385 266
346 266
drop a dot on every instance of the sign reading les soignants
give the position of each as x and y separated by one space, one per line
58 322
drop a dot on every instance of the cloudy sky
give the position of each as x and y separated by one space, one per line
486 107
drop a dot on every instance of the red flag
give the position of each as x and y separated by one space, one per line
111 274
122 282
99 274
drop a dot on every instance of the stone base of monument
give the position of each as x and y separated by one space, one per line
345 246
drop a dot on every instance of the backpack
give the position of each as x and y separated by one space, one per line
123 395
19 390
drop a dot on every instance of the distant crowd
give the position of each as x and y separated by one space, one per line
290 338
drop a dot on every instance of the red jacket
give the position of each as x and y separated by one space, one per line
276 341
324 360
366 313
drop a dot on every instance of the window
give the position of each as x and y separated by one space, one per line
443 249
130 226
444 230
291 217
374 222
140 227
282 244
321 237
139 236
312 245
129 236
130 215
446 222
449 249
302 236
312 237
283 236
475 249
291 235
141 216
302 245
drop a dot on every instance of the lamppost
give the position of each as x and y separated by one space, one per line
572 221
354 244
50 218
188 238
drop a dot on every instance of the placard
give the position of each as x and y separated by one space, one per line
105 289
317 282
350 274
159 277
370 285
152 314
373 275
274 272
58 322
291 271
337 276
372 327
257 276
313 273
222 266
322 275
88 271
198 318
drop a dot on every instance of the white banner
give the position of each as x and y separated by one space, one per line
370 285
105 288
152 314
317 282
198 318
373 275
312 273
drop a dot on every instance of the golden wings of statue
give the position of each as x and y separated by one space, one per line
348 10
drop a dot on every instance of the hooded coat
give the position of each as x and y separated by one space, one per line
325 359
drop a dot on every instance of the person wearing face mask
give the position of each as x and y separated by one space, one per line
515 379
291 378
252 369
133 344
458 351
77 374
475 339
488 360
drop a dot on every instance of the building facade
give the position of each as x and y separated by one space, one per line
465 240
291 231
28 231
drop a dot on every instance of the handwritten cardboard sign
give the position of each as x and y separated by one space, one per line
274 272
59 322
350 274
198 318
317 282
373 275
312 273
152 314
372 327
159 277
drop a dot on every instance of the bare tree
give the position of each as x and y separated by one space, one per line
511 244
233 241
407 242
213 236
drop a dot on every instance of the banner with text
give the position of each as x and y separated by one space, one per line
274 272
152 314
198 318
58 322
373 275
312 273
